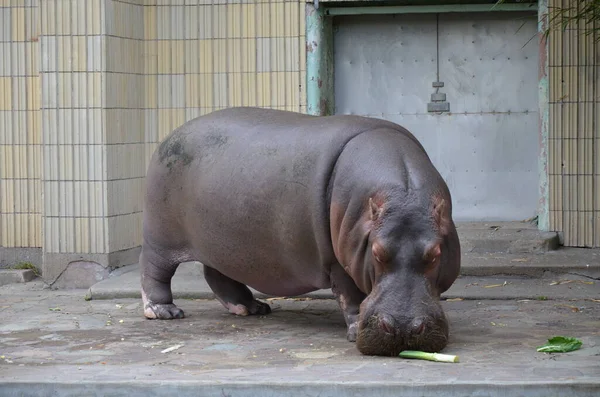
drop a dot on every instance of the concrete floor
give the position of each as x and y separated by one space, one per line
55 343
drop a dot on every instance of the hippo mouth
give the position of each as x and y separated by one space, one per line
378 338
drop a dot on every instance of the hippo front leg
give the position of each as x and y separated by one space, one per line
349 297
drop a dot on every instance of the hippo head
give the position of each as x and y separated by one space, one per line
412 255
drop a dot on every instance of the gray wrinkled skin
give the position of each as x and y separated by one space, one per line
287 204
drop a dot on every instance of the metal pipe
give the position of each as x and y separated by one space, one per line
442 8
319 62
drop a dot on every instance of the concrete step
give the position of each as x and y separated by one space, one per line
505 237
10 276
189 283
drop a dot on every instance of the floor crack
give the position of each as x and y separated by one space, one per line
584 275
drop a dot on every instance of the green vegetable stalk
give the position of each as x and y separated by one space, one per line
560 344
443 358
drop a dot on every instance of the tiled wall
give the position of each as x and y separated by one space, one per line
124 122
574 136
74 171
20 130
88 88
207 55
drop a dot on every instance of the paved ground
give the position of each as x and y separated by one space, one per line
509 299
55 343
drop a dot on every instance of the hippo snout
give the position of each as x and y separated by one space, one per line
384 335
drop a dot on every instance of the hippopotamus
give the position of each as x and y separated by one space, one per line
288 203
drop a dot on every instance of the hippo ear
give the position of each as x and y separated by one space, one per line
441 215
378 252
374 209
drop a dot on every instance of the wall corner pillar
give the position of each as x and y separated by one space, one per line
92 88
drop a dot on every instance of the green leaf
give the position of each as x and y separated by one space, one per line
560 344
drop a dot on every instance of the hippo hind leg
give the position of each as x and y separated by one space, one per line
235 296
157 297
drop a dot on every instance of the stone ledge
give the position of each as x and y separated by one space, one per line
11 276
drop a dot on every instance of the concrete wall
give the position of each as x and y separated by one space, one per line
574 134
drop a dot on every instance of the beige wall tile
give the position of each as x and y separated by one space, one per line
150 23
199 56
192 113
85 162
20 196
17 23
263 20
66 235
168 120
234 55
124 19
93 16
234 20
206 90
597 164
235 89
127 55
19 92
124 231
219 22
264 89
124 126
6 96
292 18
150 125
220 90
585 193
277 20
5 24
5 59
150 148
123 90
126 196
7 135
20 230
74 199
125 161
171 56
151 91
249 16
249 56
192 86
219 55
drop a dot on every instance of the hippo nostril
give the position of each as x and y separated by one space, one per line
418 326
386 325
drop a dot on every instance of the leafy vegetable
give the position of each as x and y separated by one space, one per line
443 358
560 344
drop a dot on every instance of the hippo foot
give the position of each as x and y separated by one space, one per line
352 332
162 311
256 307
